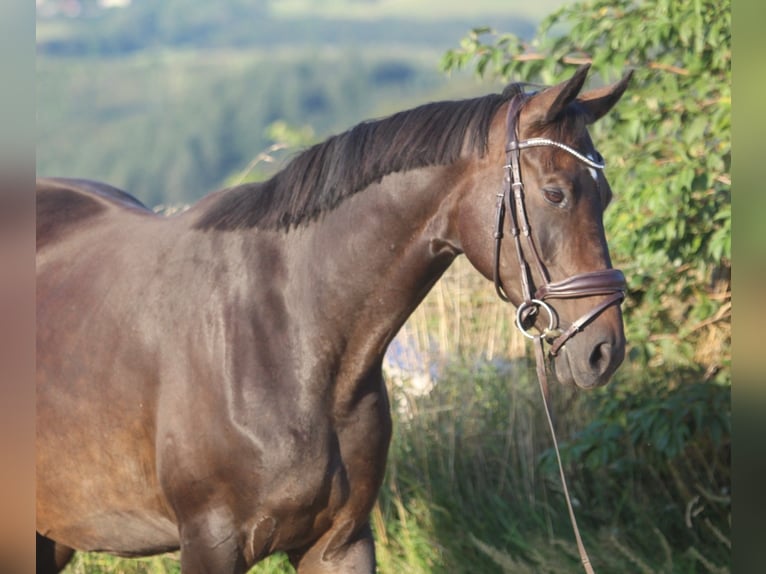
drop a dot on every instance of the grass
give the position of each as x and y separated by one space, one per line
83 563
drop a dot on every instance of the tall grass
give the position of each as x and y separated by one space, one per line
471 478
462 316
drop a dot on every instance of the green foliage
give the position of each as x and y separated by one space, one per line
668 148
472 484
105 564
657 454
94 563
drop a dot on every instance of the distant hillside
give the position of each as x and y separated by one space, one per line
170 99
79 27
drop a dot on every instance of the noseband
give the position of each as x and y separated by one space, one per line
609 282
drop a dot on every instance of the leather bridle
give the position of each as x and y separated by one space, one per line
607 282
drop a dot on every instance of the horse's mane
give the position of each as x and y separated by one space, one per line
324 175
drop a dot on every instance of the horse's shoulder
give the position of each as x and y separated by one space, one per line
64 203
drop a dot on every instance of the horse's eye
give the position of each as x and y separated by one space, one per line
553 195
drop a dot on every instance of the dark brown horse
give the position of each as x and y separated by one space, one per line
211 381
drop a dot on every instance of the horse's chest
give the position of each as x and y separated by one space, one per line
326 475
320 471
286 473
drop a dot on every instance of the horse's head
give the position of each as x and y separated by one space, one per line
553 198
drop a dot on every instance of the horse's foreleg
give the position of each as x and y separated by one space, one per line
51 556
340 551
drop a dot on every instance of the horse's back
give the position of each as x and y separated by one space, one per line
64 205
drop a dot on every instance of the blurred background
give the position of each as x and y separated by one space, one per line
171 100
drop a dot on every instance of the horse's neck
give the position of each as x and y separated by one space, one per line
366 265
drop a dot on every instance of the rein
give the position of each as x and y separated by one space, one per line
607 282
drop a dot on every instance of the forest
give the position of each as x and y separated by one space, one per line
170 103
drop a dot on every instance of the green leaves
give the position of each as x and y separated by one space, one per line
658 424
668 148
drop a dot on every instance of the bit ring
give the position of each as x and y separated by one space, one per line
536 303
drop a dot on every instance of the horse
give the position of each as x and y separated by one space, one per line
211 381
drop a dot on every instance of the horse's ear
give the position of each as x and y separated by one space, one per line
551 102
599 101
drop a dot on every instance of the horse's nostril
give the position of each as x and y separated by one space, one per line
600 357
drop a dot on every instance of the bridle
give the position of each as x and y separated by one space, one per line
608 282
